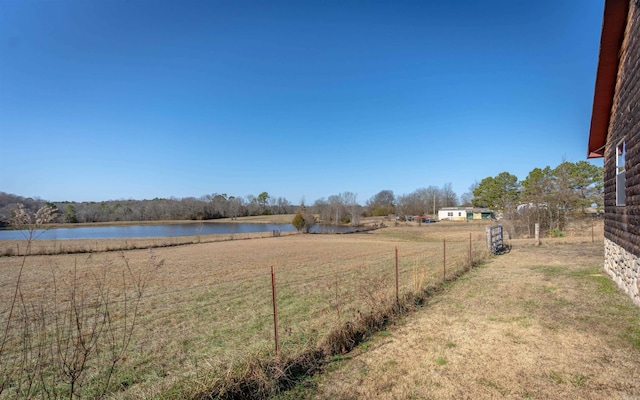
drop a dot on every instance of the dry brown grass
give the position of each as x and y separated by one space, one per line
539 322
208 310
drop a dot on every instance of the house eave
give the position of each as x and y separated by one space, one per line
613 26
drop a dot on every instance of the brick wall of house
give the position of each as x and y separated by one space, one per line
622 223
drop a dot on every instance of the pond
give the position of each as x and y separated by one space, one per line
165 230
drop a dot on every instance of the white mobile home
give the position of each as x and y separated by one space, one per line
464 213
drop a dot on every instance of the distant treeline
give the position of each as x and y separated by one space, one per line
547 196
342 208
190 208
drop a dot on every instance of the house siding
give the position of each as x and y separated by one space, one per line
622 223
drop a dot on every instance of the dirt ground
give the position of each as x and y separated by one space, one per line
539 322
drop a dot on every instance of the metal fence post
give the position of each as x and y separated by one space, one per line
397 295
275 309
444 259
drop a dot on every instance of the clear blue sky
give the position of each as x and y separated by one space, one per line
114 99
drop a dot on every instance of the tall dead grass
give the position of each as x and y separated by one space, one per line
325 315
204 326
68 338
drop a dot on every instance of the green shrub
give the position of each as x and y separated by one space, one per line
298 221
555 233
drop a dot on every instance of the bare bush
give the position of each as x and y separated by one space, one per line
69 341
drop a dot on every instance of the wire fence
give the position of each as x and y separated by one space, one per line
592 227
170 332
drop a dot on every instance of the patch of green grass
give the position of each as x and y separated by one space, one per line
202 297
555 377
563 302
338 358
408 236
441 361
530 305
554 326
514 338
494 385
384 334
304 389
591 271
632 334
556 233
391 363
259 324
451 345
549 270
553 270
509 319
337 362
605 285
578 380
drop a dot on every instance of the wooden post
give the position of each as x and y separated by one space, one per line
397 294
537 234
488 230
337 298
275 309
444 259
470 259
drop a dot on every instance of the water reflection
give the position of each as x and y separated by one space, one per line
166 230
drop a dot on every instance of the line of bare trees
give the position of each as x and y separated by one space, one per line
189 208
422 201
342 208
547 196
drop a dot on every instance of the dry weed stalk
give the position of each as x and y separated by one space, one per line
71 343
419 277
335 300
374 290
30 224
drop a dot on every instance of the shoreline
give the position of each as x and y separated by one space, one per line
257 219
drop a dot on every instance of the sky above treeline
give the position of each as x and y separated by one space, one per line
111 99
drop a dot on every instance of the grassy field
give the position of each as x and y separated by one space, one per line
204 309
537 323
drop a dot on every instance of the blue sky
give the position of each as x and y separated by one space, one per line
113 99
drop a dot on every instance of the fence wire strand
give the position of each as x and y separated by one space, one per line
330 288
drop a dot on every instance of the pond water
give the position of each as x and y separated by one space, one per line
166 230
